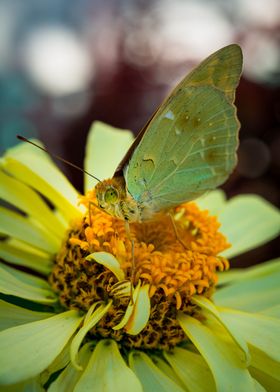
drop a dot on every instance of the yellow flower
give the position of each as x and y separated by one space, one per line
68 322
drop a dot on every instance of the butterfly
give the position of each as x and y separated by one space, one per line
187 148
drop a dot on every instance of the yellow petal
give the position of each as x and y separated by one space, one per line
23 285
69 377
257 292
213 201
165 368
19 253
230 276
107 371
263 362
28 349
192 370
208 306
259 330
258 271
32 385
44 177
150 376
28 201
129 309
259 387
90 322
60 362
22 149
270 383
28 231
273 311
26 278
218 350
106 146
248 221
12 315
109 261
141 312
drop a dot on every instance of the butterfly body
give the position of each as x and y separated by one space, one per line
114 198
186 149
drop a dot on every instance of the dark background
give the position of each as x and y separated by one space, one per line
67 63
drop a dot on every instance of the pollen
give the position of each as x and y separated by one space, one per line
176 262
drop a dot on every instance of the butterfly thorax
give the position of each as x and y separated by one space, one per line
113 198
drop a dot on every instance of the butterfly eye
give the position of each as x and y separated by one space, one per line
111 195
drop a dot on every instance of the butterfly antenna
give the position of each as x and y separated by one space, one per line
23 139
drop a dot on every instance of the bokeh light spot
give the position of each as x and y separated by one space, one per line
254 158
57 60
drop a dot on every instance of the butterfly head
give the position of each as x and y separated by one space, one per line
113 198
108 193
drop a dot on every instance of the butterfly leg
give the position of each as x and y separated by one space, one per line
176 231
127 229
90 204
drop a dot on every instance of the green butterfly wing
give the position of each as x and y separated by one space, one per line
189 146
221 69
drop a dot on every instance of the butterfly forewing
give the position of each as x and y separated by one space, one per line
190 145
222 70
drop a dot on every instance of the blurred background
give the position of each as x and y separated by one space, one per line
65 64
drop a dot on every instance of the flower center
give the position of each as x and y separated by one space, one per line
176 263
